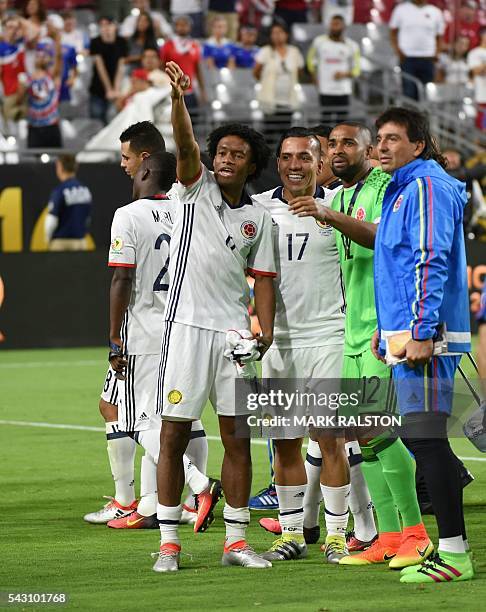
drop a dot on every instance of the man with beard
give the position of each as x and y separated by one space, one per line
387 466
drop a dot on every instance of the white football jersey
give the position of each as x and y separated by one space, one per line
140 238
213 246
309 287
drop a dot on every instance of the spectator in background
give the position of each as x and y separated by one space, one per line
4 13
34 16
416 31
256 13
277 67
475 205
108 51
186 52
129 25
452 68
69 209
291 11
151 63
69 64
217 49
143 38
227 10
73 36
244 51
194 10
43 91
139 81
465 25
12 71
476 60
334 61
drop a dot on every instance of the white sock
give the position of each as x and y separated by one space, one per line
452 545
121 454
194 479
313 495
336 501
236 521
148 487
197 449
291 508
189 502
466 545
359 497
169 517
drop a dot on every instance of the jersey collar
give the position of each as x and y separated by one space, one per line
278 193
158 196
245 200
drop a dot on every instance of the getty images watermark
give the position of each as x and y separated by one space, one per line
283 409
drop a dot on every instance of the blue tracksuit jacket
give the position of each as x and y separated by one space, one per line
420 259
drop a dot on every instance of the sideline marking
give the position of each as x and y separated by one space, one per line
102 429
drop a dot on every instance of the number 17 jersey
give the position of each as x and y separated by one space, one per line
140 239
309 288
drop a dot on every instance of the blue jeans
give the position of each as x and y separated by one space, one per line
98 108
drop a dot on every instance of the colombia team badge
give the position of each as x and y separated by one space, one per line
248 230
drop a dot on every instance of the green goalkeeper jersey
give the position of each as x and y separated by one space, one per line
363 202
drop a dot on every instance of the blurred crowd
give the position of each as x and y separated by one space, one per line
66 59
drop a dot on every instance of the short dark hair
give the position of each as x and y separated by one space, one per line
68 162
321 130
418 130
163 166
260 151
297 132
144 136
337 16
362 128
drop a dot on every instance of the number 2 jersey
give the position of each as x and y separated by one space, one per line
140 237
309 288
214 245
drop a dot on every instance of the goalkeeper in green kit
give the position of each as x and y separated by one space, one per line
388 467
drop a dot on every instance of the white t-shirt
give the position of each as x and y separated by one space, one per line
329 56
475 58
418 27
212 247
185 7
309 287
77 39
140 238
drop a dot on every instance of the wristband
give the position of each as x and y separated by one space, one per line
115 351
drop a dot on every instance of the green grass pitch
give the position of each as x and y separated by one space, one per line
51 477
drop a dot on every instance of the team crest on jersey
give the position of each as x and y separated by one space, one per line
398 203
324 228
175 396
248 229
117 244
361 214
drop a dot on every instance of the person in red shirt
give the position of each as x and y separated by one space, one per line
12 68
186 52
466 24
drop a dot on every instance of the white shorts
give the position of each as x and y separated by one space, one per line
308 367
304 363
136 395
194 370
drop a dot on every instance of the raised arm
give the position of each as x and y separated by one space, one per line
188 154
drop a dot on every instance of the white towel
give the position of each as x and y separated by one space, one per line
241 346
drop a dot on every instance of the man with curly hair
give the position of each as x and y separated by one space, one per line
218 236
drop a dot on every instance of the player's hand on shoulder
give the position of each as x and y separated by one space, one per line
307 206
178 80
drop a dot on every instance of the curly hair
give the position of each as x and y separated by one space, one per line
418 130
260 151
